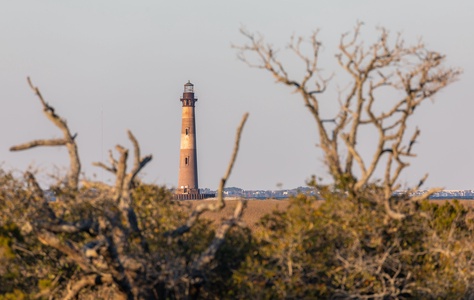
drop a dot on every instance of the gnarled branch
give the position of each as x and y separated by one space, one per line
409 75
68 140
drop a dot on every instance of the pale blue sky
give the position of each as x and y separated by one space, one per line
111 65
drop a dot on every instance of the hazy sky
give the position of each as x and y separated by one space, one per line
108 66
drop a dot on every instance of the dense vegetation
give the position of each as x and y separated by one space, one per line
30 269
341 248
358 240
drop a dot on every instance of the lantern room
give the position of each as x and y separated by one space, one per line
189 87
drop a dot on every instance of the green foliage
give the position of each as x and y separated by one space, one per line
15 295
8 232
219 284
446 217
282 259
349 247
28 269
342 246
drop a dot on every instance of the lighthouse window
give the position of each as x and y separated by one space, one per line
186 161
187 130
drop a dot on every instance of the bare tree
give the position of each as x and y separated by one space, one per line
389 80
68 140
373 250
108 246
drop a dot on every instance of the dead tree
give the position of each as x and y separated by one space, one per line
114 252
68 140
388 81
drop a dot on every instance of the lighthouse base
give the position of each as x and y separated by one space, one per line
195 196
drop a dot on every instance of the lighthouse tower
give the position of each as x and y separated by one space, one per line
188 174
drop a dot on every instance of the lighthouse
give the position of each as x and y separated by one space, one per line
188 174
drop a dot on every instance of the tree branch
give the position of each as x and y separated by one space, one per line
376 70
36 143
68 140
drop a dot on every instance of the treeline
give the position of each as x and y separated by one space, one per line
342 248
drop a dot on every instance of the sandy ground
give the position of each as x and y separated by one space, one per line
468 203
253 212
258 208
